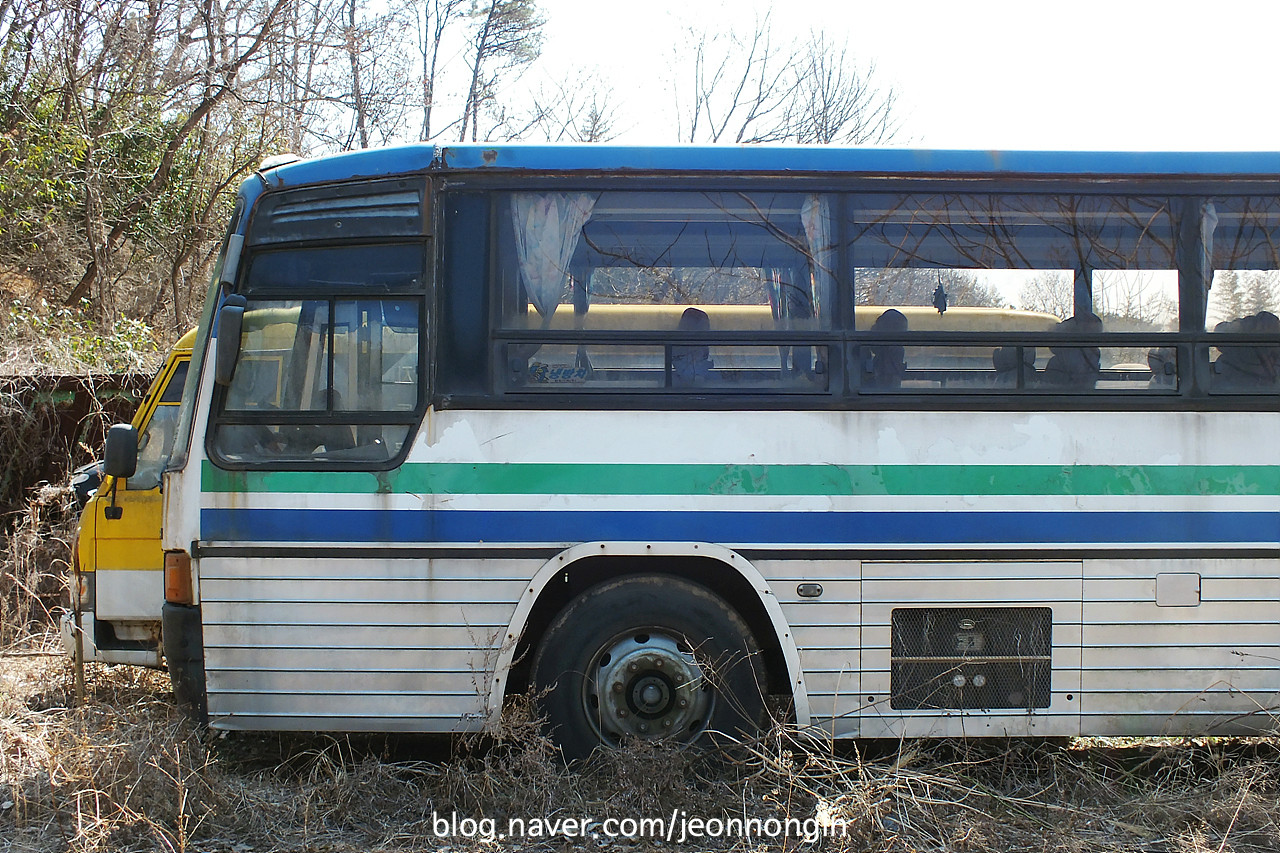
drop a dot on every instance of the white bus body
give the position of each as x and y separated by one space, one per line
998 564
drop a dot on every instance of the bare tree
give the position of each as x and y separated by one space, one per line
108 107
292 95
432 19
354 42
371 100
338 76
1133 300
231 40
1049 292
836 102
1260 292
749 86
738 86
508 35
577 108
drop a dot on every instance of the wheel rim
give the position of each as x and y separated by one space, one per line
644 685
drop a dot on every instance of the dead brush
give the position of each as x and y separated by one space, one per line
26 431
34 568
515 770
123 771
128 771
37 531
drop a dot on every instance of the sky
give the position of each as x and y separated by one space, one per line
1085 74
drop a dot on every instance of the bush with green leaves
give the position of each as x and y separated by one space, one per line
44 338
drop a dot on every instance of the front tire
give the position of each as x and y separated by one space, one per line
651 658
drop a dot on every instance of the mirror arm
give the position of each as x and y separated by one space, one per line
113 512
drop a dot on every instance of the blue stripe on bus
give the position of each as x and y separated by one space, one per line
734 528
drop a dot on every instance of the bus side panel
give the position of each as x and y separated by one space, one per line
828 634
1181 647
970 588
344 644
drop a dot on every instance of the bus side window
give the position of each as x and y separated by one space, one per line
156 441
1011 362
659 292
1079 366
690 364
332 379
886 363
1248 367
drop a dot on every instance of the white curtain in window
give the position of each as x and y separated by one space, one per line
1208 222
815 215
548 227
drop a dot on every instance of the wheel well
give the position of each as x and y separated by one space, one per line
586 573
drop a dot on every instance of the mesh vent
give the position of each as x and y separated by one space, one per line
971 658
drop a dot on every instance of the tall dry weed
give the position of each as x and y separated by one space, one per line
34 567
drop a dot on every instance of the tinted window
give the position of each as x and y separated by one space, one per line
1047 278
683 269
322 380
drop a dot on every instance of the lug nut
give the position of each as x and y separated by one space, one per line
644 727
683 703
622 712
617 687
657 662
666 724
632 667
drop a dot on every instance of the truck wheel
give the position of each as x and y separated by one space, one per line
652 658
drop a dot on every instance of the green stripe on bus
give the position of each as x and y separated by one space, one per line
526 478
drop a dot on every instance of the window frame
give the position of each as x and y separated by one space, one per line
1190 341
501 336
420 295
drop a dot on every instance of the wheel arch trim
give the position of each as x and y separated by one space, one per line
749 573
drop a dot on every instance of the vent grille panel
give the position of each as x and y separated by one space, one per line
971 658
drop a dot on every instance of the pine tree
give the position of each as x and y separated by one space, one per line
1226 299
1260 294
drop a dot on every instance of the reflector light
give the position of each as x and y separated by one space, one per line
177 578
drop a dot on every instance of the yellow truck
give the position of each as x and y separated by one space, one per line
117 560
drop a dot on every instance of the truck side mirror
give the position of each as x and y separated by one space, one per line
120 462
230 324
121 457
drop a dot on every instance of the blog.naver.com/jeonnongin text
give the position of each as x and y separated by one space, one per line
677 827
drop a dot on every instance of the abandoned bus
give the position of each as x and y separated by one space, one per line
924 443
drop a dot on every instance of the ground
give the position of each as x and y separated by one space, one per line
126 770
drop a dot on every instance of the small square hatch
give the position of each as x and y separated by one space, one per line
1178 589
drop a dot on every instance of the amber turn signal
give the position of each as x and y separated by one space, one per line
177 578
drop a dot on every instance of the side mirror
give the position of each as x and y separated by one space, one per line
230 325
121 460
121 457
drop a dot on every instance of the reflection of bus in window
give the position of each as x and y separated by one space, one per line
924 443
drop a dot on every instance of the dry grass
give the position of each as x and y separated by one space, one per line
127 771
35 559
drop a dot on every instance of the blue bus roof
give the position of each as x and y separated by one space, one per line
758 159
